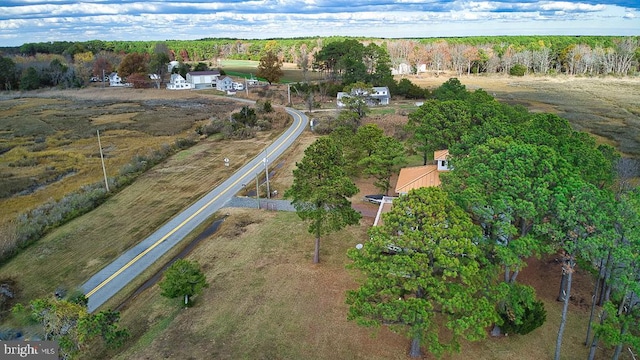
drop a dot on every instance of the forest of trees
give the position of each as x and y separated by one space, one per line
70 64
444 264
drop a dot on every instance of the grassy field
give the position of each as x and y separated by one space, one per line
247 68
266 299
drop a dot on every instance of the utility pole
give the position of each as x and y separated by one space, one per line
104 170
257 191
266 172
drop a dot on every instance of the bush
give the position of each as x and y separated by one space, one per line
264 124
518 70
267 107
325 126
183 143
410 90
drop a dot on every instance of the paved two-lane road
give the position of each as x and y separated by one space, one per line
111 279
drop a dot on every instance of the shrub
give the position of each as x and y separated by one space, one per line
410 90
247 116
183 143
267 107
518 70
8 293
264 124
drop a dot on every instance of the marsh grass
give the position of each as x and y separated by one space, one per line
50 139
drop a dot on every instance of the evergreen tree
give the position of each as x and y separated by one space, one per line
424 275
183 279
321 190
30 79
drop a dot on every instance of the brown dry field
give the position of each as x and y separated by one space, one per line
70 254
118 112
266 299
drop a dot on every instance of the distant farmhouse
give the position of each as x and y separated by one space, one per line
116 81
224 84
178 83
379 96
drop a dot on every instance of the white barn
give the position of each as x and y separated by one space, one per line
202 79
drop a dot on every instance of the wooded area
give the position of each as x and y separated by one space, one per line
72 64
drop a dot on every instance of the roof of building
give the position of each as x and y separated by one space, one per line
198 73
441 154
416 177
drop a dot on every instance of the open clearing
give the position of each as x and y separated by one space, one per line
267 300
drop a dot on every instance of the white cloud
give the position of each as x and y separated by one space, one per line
566 6
36 21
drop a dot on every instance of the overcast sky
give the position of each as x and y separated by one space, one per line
62 20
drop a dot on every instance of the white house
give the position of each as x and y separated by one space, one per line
441 157
379 96
224 84
401 69
116 81
202 79
178 83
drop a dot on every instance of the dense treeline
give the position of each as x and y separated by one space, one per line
516 55
521 184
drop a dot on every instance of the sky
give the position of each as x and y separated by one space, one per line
32 21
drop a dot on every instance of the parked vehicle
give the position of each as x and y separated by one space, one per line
376 199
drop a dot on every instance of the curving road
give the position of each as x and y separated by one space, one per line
113 277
